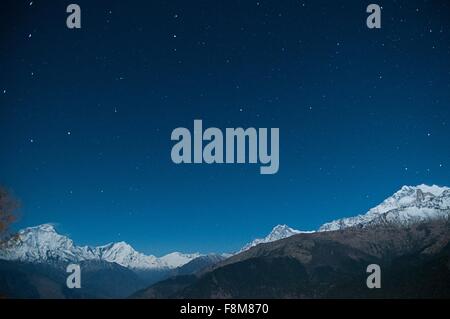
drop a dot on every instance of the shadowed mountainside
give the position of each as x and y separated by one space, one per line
414 260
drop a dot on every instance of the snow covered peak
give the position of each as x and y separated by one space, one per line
43 244
123 254
433 189
277 233
177 259
280 232
44 228
120 246
409 204
409 195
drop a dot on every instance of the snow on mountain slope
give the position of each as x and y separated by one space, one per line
408 205
124 255
277 233
43 244
177 259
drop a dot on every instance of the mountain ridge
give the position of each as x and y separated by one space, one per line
405 228
415 263
409 204
43 243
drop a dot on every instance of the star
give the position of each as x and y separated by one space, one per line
68 132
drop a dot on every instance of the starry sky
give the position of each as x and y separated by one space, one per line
86 115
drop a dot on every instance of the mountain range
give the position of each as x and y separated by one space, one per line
42 244
414 262
409 205
41 248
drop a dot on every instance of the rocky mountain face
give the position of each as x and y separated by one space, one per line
407 235
414 261
277 233
411 204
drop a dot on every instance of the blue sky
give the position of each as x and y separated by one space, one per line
86 115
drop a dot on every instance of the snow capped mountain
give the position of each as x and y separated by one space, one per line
277 233
43 244
177 259
124 255
409 205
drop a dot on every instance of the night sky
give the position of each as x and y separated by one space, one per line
86 115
